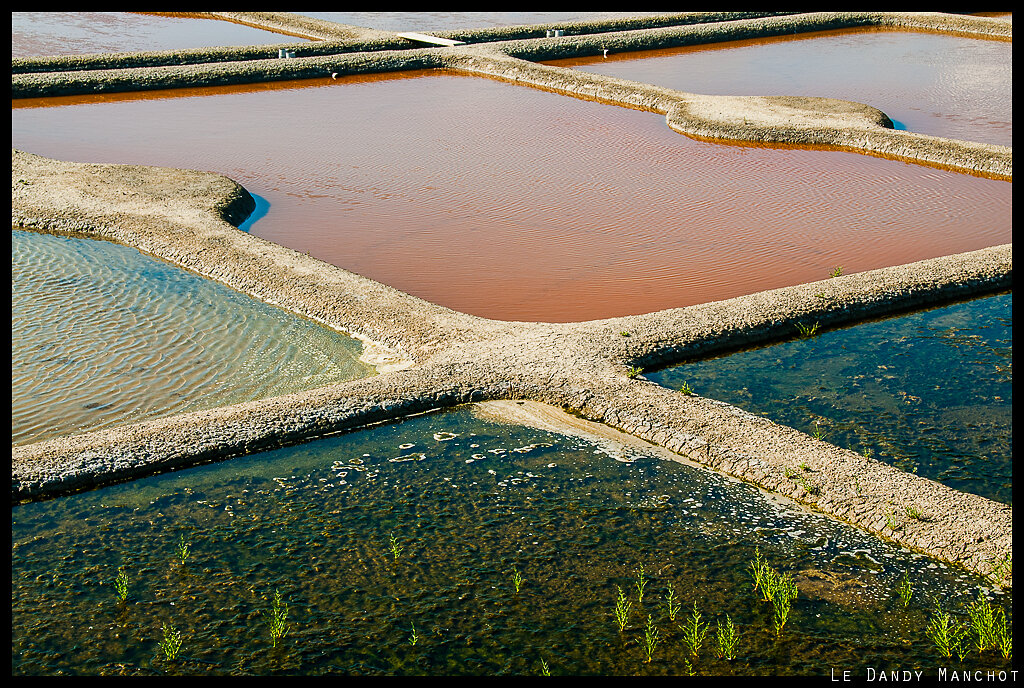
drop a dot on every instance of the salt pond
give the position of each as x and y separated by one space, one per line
515 203
930 392
103 335
36 34
941 85
395 549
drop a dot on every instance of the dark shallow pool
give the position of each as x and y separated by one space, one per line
103 335
930 392
396 548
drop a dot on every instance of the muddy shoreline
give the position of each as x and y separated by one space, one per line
432 357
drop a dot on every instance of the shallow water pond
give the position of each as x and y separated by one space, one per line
941 85
103 335
930 392
38 34
453 543
518 204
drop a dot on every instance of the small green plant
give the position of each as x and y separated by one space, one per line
804 466
121 584
778 588
726 636
809 488
641 583
1003 636
170 644
694 631
914 513
183 549
945 632
782 593
983 623
395 548
650 639
757 569
673 603
634 372
1001 569
413 637
890 521
904 589
517 579
622 605
624 334
686 389
277 618
818 433
544 670
836 271
807 330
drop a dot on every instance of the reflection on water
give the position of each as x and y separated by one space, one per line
930 392
515 203
395 549
36 34
949 86
103 335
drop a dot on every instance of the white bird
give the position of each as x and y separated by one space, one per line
334 75
606 52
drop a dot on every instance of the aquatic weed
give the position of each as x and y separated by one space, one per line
394 547
983 623
651 638
904 589
672 603
183 549
757 569
807 330
276 619
170 644
641 583
694 631
726 637
121 583
622 606
945 632
517 579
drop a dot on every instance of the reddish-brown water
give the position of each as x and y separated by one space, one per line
515 203
35 34
935 84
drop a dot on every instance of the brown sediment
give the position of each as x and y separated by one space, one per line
443 358
851 127
454 358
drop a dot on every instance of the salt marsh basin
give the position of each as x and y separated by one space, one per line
436 357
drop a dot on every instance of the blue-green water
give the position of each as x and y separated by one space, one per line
930 392
395 549
103 335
